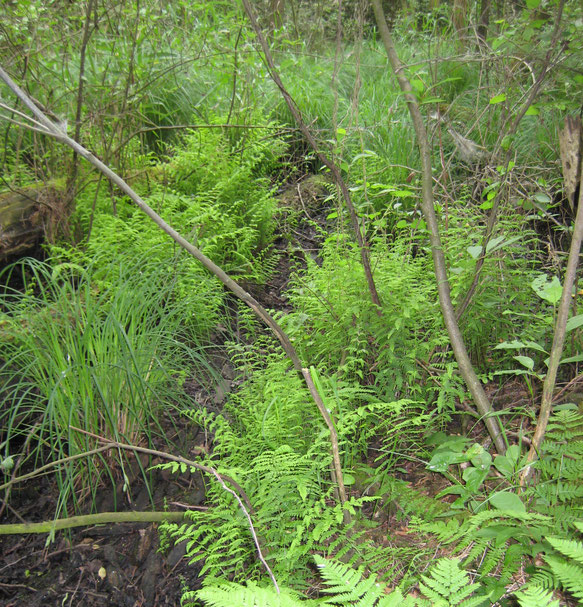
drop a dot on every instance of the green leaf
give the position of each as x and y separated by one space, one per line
475 251
504 500
534 346
440 462
510 345
574 322
526 361
483 460
474 477
550 291
498 99
542 198
572 359
418 85
507 142
504 466
401 224
348 479
532 111
499 242
532 4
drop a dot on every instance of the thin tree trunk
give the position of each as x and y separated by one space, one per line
71 187
467 370
483 20
331 166
558 340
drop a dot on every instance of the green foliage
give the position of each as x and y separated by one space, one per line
337 328
77 356
250 595
446 585
535 596
292 512
275 446
559 491
502 539
501 308
220 199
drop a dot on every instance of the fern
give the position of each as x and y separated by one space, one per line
230 594
569 548
345 586
535 596
567 565
569 575
448 585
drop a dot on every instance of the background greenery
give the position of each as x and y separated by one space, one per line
102 334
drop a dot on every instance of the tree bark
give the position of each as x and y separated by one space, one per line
558 340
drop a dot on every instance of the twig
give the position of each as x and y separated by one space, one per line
251 528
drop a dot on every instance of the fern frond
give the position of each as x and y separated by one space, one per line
346 584
570 575
535 596
570 548
544 578
445 531
449 585
230 594
349 589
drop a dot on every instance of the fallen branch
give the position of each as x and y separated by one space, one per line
135 517
85 520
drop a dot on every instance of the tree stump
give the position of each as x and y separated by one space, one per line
27 215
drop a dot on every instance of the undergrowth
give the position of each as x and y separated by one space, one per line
82 358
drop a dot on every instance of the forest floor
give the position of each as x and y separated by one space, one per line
122 565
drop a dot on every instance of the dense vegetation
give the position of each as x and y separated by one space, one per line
99 337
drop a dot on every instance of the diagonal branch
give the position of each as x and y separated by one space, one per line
58 133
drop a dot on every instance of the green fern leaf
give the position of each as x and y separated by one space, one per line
535 596
349 589
448 585
229 594
570 548
570 575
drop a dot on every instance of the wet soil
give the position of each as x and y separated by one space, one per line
100 565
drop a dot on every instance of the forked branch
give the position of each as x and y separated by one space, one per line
461 354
